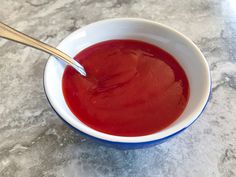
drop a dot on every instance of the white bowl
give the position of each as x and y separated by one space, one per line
183 49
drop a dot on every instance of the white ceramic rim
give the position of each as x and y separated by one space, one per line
147 138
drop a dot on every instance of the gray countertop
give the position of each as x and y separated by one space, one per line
35 142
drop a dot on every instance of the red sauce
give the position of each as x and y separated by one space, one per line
132 88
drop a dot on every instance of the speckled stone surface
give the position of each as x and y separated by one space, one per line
35 142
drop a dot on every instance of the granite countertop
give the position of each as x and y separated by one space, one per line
35 142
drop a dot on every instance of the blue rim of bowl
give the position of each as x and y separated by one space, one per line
142 142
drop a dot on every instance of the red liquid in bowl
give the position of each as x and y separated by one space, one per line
132 88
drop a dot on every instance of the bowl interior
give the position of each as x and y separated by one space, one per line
186 53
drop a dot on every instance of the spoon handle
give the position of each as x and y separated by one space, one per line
14 35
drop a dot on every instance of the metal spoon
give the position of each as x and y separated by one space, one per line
14 35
